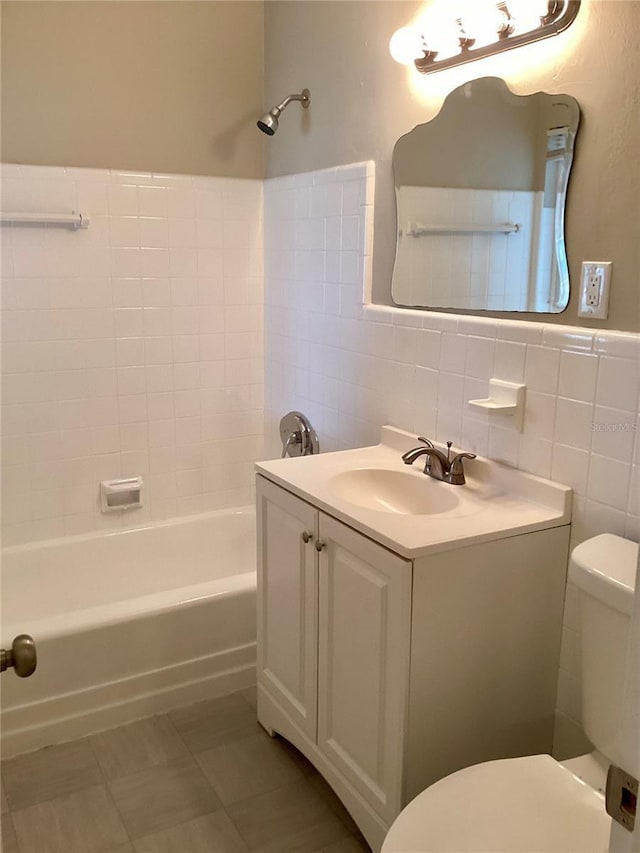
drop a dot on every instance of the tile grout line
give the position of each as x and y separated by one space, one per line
166 763
110 796
193 755
304 781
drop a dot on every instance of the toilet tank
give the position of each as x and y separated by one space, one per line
604 570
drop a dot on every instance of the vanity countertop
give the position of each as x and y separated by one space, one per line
497 501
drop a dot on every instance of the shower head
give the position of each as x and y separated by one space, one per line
269 122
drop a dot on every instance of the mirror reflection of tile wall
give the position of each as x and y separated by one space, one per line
468 270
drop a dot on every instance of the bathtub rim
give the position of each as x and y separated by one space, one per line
73 622
110 615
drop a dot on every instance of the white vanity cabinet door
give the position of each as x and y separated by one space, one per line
288 602
363 662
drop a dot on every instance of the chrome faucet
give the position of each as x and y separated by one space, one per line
437 465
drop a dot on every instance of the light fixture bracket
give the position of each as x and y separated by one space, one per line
560 15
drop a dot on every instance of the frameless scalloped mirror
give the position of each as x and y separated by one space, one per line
480 195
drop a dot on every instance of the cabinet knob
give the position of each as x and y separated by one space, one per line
320 545
307 537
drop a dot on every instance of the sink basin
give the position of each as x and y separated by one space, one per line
371 490
399 492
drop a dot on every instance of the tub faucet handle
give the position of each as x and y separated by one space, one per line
298 436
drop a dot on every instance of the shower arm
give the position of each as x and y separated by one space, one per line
303 98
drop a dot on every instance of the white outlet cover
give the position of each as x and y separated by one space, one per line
600 270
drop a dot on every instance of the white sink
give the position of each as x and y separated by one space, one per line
400 492
399 506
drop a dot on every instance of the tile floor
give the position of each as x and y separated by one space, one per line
203 779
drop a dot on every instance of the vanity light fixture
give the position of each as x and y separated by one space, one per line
473 29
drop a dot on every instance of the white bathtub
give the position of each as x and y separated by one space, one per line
128 624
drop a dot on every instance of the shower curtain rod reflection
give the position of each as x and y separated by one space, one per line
76 220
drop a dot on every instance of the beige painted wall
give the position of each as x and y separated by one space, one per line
362 101
169 86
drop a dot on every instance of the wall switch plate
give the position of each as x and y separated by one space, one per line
594 289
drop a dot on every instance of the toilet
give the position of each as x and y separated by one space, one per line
536 803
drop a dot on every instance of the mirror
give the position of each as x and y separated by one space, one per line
480 195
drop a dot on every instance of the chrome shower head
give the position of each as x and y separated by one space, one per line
269 122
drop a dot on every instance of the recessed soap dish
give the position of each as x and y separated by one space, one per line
121 494
505 398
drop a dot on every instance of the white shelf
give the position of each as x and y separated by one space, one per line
494 406
505 398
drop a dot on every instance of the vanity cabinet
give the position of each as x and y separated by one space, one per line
389 673
333 640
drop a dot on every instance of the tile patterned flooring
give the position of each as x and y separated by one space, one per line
203 779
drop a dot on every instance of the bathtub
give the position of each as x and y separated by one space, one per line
128 624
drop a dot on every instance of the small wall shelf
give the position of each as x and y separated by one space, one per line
505 398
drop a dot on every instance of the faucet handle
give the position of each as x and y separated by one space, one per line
426 441
457 459
456 470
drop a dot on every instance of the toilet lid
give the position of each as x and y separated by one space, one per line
508 806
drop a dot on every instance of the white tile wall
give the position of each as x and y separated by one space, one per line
352 367
470 270
131 348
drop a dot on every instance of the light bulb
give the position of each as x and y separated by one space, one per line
441 32
481 20
404 45
527 13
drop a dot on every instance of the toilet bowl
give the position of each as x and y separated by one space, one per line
536 803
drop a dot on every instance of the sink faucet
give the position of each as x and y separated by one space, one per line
437 465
